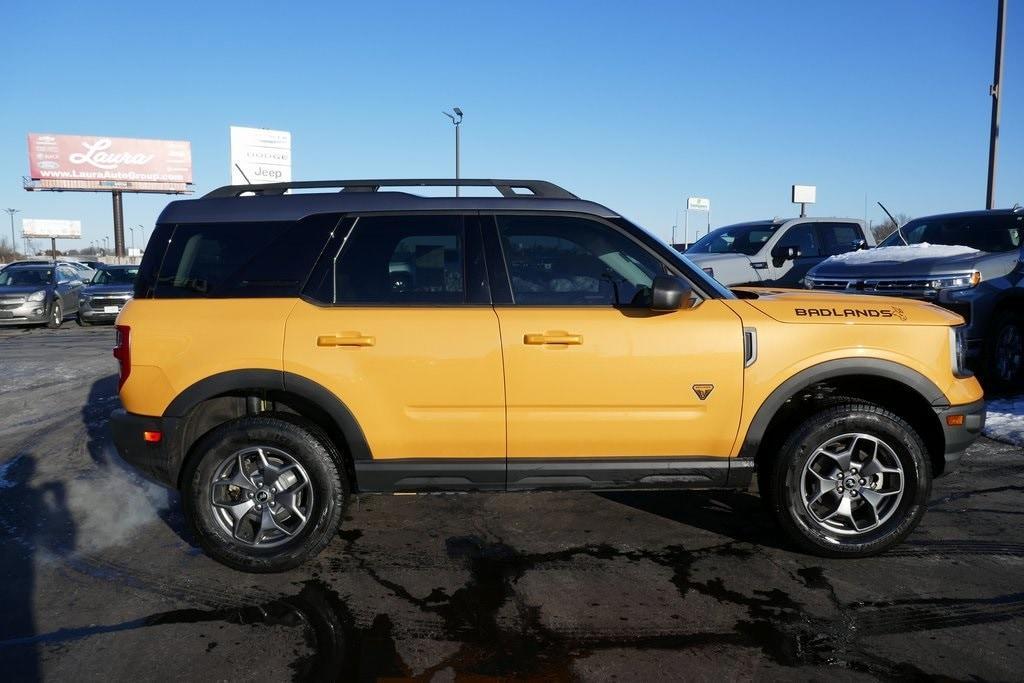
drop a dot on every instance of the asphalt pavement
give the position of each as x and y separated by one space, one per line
99 579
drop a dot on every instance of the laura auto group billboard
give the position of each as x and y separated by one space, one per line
89 162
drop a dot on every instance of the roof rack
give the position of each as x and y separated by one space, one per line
507 188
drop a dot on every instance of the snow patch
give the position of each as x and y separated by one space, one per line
903 253
1005 420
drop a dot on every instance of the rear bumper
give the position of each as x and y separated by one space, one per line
959 438
154 460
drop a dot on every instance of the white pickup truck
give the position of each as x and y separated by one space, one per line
776 252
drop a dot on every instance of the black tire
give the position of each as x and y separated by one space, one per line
81 322
1004 353
56 317
784 483
304 444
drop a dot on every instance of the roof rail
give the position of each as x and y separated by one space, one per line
508 188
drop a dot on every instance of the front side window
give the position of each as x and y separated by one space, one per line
568 261
402 260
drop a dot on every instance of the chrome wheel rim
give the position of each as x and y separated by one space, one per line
1009 352
56 314
261 496
852 484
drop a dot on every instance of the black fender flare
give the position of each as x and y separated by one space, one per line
280 381
843 367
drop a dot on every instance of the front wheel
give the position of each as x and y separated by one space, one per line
1004 353
264 494
852 481
56 318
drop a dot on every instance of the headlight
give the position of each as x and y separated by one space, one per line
958 351
37 296
965 281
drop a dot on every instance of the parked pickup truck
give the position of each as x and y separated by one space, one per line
970 263
776 252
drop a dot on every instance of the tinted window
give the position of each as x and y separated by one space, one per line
401 260
743 238
241 259
839 238
115 276
564 261
984 233
21 277
803 237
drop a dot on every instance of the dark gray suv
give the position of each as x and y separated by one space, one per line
970 263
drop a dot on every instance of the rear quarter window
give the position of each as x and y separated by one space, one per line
235 260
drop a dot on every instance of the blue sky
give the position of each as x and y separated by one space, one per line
635 105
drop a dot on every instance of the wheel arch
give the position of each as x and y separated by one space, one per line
903 390
224 396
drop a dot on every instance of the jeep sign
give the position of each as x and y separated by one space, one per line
260 155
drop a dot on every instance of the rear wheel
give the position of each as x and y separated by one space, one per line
264 494
852 481
56 318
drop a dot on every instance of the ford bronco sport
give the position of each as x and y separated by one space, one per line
283 351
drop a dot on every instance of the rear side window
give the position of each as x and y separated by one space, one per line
401 260
839 238
241 260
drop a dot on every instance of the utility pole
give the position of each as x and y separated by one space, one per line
14 243
994 91
456 117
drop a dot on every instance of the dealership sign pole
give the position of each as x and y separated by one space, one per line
83 163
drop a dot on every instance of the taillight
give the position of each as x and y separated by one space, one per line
123 353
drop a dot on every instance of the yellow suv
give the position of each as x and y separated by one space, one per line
284 350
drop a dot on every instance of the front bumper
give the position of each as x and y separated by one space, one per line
27 313
100 313
959 438
156 461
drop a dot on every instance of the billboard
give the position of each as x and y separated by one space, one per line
698 204
804 194
89 162
260 155
43 227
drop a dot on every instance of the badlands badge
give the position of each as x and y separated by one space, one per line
703 390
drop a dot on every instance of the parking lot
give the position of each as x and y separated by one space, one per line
100 579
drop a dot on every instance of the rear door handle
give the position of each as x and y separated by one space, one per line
553 338
346 339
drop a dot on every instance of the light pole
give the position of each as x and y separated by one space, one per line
456 117
14 244
131 233
995 90
143 229
106 241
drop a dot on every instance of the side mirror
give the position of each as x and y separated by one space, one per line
785 253
670 293
862 244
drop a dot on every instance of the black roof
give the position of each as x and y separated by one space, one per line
269 203
973 214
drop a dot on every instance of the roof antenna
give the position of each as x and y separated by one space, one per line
899 228
247 181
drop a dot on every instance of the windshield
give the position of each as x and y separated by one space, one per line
22 277
115 276
742 238
984 233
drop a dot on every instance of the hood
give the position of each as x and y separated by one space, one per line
23 290
803 306
916 260
109 289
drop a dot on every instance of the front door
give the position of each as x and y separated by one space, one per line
590 370
400 332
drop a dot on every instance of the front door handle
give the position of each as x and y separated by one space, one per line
553 338
346 339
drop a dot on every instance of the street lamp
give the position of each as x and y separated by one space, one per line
131 232
143 229
14 244
456 117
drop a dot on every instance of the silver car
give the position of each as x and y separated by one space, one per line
38 294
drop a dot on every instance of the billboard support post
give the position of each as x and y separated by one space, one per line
995 92
118 224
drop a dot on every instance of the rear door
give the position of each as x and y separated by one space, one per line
397 323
